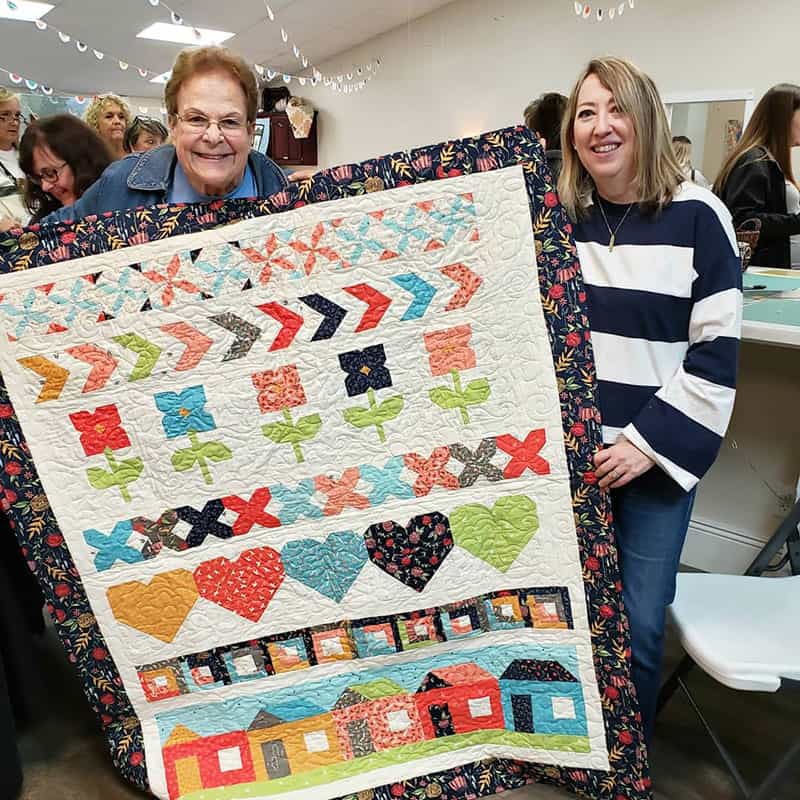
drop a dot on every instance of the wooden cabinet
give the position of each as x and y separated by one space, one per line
284 148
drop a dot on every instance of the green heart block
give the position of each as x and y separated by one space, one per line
497 535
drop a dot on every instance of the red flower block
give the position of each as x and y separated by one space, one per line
100 430
449 350
279 388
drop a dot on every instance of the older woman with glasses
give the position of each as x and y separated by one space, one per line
10 121
61 158
12 212
211 101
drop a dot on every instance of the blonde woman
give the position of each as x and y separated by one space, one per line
683 152
663 282
110 116
757 181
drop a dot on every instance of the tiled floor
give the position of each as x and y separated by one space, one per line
64 754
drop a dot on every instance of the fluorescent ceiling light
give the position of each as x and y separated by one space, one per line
24 10
162 78
183 34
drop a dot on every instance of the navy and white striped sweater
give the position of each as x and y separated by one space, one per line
665 309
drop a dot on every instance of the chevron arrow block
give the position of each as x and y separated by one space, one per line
148 353
246 334
333 315
423 294
468 281
290 321
55 377
197 344
377 305
101 361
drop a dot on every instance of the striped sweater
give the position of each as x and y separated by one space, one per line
665 310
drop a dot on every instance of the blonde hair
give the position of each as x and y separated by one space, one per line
769 127
683 151
98 107
6 95
658 173
191 62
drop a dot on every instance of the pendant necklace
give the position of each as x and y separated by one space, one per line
613 234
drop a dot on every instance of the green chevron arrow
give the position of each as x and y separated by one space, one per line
148 353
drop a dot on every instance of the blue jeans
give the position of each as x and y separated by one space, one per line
651 515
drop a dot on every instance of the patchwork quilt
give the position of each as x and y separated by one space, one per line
307 483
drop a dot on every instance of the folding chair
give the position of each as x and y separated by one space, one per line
742 631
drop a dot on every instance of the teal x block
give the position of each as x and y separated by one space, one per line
295 502
386 482
114 547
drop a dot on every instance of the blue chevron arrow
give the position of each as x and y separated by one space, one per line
423 294
333 315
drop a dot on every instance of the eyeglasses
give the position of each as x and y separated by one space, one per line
7 116
199 123
49 174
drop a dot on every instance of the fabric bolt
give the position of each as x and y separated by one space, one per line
181 621
666 310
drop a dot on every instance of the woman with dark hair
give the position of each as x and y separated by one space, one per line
143 134
61 158
544 116
756 180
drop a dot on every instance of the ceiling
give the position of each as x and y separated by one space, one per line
320 28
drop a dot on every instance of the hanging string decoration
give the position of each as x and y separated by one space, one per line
588 11
353 81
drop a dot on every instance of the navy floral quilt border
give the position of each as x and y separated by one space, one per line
564 301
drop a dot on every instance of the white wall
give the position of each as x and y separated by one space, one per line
474 64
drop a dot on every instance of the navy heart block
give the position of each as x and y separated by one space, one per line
411 554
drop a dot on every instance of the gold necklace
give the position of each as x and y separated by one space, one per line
613 234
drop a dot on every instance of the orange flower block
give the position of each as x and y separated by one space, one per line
449 350
279 388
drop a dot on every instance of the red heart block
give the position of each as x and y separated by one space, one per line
245 586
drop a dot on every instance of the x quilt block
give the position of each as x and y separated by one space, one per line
308 485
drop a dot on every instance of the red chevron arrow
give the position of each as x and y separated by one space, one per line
101 361
197 343
470 283
377 303
291 323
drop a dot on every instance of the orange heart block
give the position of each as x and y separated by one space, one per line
244 586
158 608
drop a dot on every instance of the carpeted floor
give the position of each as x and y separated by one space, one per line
64 754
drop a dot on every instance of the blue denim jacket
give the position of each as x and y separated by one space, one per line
144 179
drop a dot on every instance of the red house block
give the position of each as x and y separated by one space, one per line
459 699
193 762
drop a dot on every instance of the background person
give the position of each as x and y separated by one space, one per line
110 116
144 133
13 213
683 152
61 158
756 180
544 117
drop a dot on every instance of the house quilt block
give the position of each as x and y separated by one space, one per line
307 483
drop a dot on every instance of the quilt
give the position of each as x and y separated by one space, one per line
308 485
